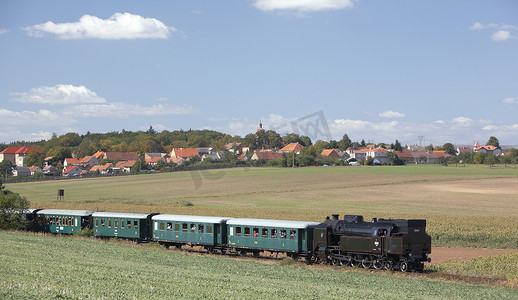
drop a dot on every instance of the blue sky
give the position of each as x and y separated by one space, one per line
417 71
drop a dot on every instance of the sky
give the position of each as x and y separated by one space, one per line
421 72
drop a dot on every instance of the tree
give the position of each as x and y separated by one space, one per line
449 148
493 141
345 142
60 153
34 158
11 206
394 159
6 168
479 157
397 146
491 160
429 148
506 159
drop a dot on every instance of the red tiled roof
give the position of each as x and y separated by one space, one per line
153 160
126 164
98 154
34 168
86 159
185 152
18 150
68 169
268 155
72 161
293 147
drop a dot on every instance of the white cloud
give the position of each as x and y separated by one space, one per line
3 31
40 117
461 122
61 94
302 5
511 100
503 31
501 35
118 26
391 114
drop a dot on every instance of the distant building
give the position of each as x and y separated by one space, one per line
16 155
266 155
184 153
292 147
21 171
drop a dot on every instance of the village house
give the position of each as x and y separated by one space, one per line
358 154
237 147
292 147
176 160
103 169
488 149
16 155
266 155
47 170
149 157
331 153
184 153
72 162
123 166
71 171
379 155
153 161
35 169
88 161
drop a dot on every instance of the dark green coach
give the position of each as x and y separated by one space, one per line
178 230
122 225
63 221
255 235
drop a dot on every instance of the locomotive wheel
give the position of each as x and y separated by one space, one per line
378 264
366 263
403 267
355 263
388 265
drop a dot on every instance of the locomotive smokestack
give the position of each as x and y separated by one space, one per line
374 220
335 217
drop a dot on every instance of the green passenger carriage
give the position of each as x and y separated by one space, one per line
178 230
256 235
63 221
123 225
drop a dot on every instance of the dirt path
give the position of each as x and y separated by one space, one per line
443 254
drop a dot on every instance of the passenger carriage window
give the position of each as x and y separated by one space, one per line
218 229
209 228
255 232
47 220
264 233
238 230
116 223
283 234
135 224
303 232
102 222
59 221
169 226
71 221
184 227
293 234
162 226
109 223
96 222
247 231
200 228
129 224
122 223
176 226
193 227
274 233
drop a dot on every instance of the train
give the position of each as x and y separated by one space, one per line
392 244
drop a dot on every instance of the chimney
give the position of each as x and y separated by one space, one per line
335 217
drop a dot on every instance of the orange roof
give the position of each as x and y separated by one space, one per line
86 159
19 150
68 169
98 154
126 163
293 147
185 152
268 155
72 161
154 160
34 168
379 149
176 160
121 156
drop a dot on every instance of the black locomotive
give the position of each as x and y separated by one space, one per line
382 243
